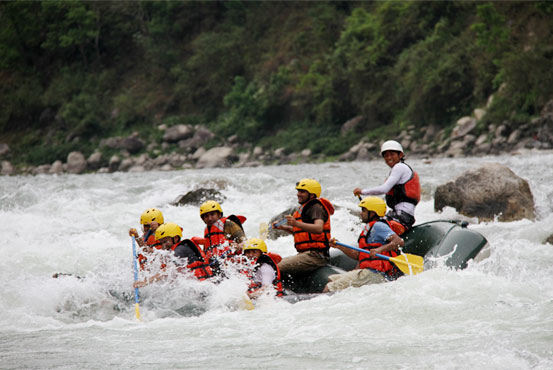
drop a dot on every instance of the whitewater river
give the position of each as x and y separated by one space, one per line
496 314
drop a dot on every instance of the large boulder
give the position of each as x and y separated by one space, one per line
275 233
198 196
76 163
133 144
221 156
177 133
489 191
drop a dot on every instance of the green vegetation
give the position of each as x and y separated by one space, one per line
277 74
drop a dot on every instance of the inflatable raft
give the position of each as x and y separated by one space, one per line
442 242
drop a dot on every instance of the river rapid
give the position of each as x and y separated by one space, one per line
497 313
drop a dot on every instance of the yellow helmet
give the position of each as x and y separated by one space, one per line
169 229
209 206
255 243
309 185
375 204
151 215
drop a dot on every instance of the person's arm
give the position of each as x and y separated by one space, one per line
315 228
395 175
394 243
347 251
234 232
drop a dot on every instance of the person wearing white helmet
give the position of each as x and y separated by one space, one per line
402 188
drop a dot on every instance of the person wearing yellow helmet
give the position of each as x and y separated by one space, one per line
263 271
187 255
402 187
377 237
222 234
150 221
310 225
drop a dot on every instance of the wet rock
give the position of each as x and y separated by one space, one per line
43 169
7 168
114 163
95 161
177 133
56 168
489 191
126 164
133 144
217 157
549 239
76 163
198 196
198 153
463 127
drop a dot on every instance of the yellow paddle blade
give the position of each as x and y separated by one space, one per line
263 230
137 311
248 304
409 264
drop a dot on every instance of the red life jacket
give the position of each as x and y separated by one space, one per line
217 243
151 241
201 267
376 263
305 241
271 259
409 192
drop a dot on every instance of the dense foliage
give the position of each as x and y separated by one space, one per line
279 74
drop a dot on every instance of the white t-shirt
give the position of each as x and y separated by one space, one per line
265 275
400 174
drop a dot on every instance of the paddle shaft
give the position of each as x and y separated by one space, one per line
135 265
363 250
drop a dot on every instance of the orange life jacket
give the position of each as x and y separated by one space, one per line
151 241
217 243
271 259
409 192
376 263
305 241
201 267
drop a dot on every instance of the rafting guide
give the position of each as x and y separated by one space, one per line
402 188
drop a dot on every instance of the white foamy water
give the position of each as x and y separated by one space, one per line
496 314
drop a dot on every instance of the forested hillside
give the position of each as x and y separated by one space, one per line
276 74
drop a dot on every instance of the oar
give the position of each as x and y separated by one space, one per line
135 264
264 228
409 264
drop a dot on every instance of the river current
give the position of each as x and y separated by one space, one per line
495 314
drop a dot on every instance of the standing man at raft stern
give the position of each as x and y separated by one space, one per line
222 235
310 225
402 188
376 237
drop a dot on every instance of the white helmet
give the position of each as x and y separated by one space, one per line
391 145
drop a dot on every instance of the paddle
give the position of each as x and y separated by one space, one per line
409 264
264 228
135 265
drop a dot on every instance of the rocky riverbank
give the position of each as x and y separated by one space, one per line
184 146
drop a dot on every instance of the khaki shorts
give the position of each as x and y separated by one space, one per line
302 263
355 278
